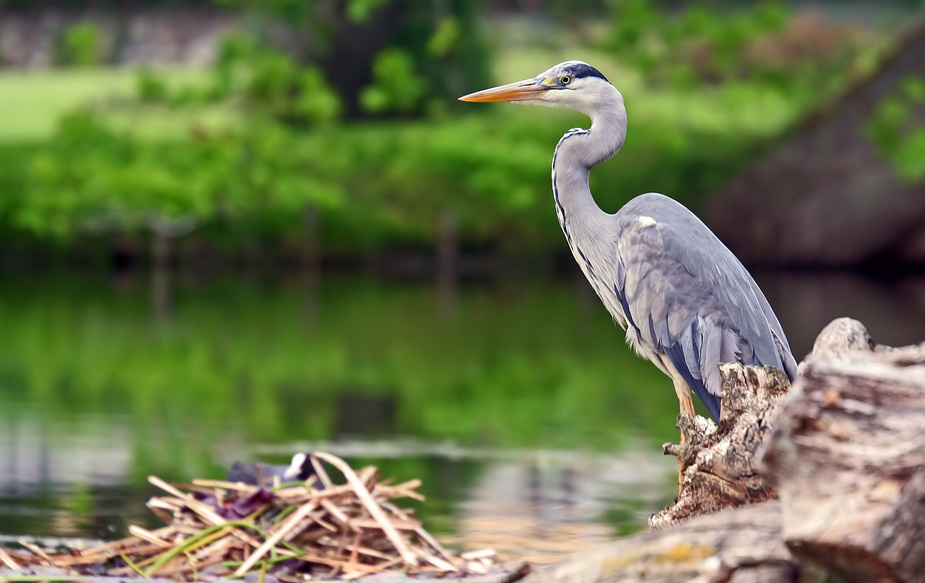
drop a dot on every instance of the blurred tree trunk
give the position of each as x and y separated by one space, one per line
311 240
353 46
311 262
447 261
160 276
162 230
827 195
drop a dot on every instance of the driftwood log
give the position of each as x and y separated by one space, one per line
844 449
848 458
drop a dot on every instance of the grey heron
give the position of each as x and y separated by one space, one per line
686 302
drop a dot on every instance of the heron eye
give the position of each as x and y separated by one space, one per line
564 79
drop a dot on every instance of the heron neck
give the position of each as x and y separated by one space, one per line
576 153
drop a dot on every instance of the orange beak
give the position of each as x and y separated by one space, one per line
527 90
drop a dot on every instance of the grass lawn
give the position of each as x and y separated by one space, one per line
31 102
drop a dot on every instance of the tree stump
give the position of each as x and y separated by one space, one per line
717 461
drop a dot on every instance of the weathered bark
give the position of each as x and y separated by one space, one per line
718 461
848 458
846 453
741 545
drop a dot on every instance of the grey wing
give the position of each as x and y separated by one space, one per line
685 296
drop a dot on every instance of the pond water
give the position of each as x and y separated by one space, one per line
534 429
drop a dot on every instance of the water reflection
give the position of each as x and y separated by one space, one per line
33 454
550 507
534 429
530 504
96 396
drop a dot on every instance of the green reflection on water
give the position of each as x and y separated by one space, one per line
520 366
535 364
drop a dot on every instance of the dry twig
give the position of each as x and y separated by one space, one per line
219 528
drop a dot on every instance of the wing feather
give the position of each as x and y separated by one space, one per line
688 297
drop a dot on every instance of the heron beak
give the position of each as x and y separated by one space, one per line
526 90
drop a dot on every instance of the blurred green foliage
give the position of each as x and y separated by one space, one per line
94 179
396 86
376 183
706 88
802 54
80 45
382 57
895 131
270 83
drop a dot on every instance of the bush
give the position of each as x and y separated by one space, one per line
895 131
381 182
91 179
800 53
80 45
376 184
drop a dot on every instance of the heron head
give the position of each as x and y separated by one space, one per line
572 84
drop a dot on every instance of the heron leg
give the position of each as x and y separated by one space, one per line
684 397
683 391
685 401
